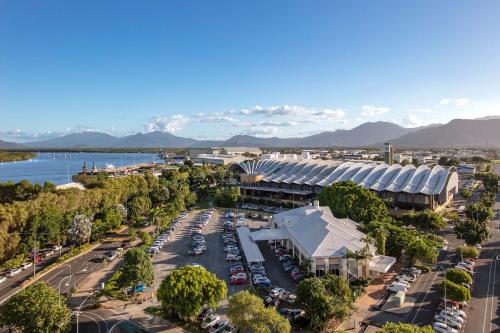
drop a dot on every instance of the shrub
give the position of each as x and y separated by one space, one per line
467 251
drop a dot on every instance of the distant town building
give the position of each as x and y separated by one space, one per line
247 151
389 153
218 159
299 181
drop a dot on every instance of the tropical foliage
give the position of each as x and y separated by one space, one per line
453 291
247 312
187 289
405 328
37 309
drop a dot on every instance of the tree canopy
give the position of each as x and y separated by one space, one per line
137 267
472 232
187 289
37 309
247 312
347 199
424 220
227 196
458 276
453 291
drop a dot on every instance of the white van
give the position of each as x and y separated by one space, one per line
395 287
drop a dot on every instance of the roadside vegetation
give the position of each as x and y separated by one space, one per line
37 309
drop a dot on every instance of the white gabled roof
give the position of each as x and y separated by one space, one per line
319 233
378 177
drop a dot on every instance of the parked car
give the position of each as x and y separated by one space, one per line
218 326
404 283
271 302
27 265
210 321
288 297
276 292
236 269
450 321
14 272
204 313
229 328
240 275
443 328
2 279
232 257
405 277
395 287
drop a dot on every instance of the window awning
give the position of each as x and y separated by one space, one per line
269 234
381 264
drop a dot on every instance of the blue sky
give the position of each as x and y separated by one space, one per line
212 69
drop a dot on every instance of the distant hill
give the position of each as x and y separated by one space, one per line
457 133
154 139
9 145
80 140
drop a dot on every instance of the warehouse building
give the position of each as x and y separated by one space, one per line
299 181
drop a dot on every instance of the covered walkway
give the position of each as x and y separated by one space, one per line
250 249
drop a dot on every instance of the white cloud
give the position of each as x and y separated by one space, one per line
372 110
278 123
262 131
216 117
461 101
445 101
280 110
328 113
411 120
171 124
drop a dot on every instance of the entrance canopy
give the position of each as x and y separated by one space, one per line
381 264
250 249
269 234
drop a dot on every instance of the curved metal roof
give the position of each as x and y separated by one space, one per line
379 177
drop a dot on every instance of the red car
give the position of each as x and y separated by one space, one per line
235 282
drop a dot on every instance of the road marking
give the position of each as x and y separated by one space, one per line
493 294
487 296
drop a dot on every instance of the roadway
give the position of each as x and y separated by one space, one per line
484 312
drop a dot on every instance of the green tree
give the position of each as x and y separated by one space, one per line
227 197
405 163
347 199
479 212
405 328
137 267
466 193
37 309
317 302
467 251
247 312
160 195
458 276
187 289
472 232
453 291
424 220
139 206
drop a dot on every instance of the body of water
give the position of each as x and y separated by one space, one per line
55 167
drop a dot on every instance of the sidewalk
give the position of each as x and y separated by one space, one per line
373 295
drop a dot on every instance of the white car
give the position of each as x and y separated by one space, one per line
14 272
210 321
443 328
2 279
57 247
449 320
405 277
232 257
459 315
276 292
231 248
404 283
27 265
218 326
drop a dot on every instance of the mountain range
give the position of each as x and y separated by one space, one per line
456 133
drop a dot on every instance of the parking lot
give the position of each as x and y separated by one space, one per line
175 253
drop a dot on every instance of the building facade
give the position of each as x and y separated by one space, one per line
300 181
